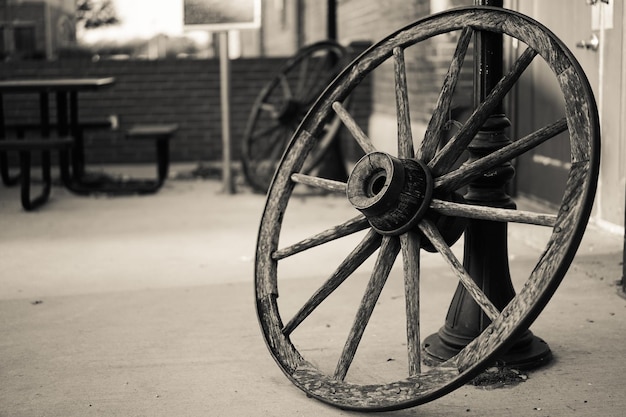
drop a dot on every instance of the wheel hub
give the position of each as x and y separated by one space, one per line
288 111
394 194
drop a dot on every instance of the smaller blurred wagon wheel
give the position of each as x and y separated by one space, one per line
281 106
397 201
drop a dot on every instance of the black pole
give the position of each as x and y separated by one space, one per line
332 166
485 252
331 25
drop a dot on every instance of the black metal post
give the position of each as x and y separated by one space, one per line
485 252
332 166
331 26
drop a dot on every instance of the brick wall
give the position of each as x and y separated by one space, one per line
186 92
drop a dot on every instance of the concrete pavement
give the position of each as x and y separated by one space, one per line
144 306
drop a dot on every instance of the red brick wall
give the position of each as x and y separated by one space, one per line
186 92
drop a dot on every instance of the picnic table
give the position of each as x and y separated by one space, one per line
67 126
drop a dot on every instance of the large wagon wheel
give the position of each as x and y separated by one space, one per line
281 106
398 201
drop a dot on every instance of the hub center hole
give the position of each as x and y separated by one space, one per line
376 183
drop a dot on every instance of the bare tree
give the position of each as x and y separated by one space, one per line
95 13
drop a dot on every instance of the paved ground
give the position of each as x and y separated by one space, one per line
143 306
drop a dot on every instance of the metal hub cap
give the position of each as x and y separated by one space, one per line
392 193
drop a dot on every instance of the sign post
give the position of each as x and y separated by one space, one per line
225 92
221 16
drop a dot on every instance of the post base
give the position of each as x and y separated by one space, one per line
529 352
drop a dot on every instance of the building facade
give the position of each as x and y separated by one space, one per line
36 29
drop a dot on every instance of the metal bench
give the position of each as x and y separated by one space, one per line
106 184
89 183
161 134
22 130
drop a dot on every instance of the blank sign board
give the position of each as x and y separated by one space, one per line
220 15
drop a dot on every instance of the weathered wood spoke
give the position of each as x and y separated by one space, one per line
277 145
263 132
410 243
364 142
388 252
360 254
316 78
284 82
433 235
442 108
356 224
445 158
303 77
269 107
405 137
471 211
468 172
317 182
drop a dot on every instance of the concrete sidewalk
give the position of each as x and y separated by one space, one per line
144 306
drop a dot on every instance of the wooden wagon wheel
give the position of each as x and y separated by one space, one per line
281 106
397 200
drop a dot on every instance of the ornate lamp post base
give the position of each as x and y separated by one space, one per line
486 253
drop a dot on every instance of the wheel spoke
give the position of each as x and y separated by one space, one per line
388 252
303 76
442 108
471 211
270 108
360 254
445 158
276 145
410 243
319 77
265 131
364 142
431 232
353 225
317 182
405 138
269 148
465 174
285 84
323 144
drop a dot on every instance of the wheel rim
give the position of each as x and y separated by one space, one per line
567 225
280 107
